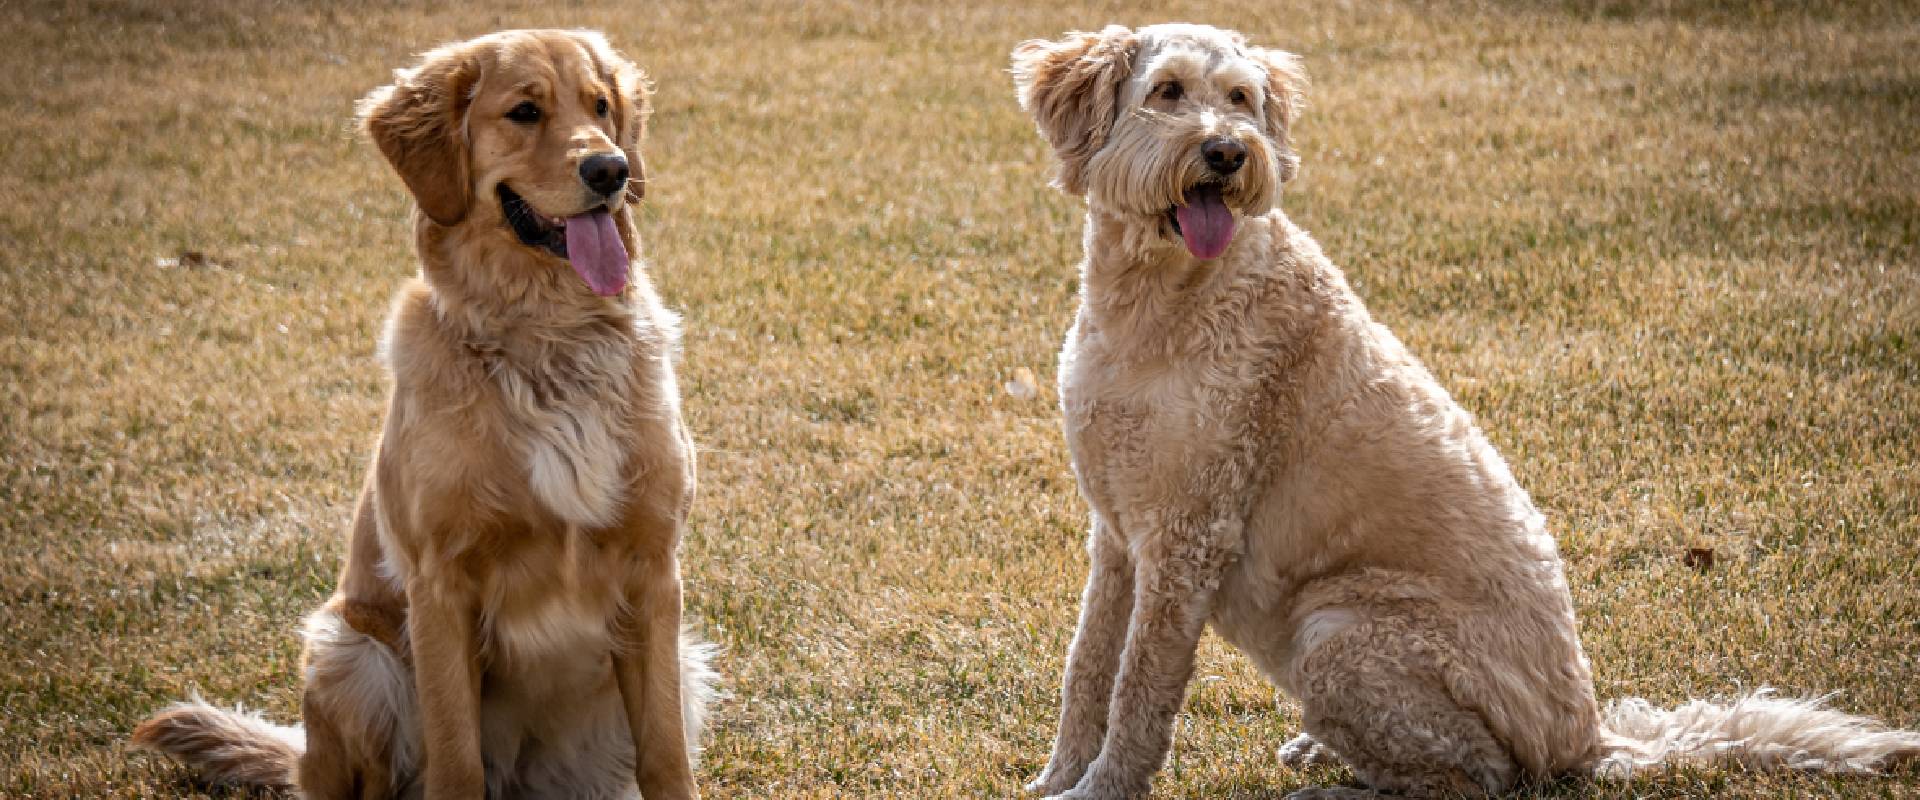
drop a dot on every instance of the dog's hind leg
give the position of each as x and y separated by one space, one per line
359 708
1092 661
332 768
1375 690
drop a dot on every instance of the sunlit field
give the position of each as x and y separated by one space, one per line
1668 253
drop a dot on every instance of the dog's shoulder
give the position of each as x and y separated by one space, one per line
411 331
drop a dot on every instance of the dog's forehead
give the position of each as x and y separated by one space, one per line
556 63
1198 50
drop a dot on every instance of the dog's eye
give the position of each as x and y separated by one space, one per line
1238 97
524 113
600 106
1172 90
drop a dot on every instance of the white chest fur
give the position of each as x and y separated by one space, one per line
570 413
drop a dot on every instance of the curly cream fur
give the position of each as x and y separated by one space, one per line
1260 455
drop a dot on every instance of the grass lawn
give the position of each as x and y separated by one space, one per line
1667 252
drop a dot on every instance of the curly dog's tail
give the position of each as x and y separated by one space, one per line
1759 731
225 746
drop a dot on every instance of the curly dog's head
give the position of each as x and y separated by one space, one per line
534 134
1179 126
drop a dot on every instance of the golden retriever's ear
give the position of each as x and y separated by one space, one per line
419 123
1286 95
1072 87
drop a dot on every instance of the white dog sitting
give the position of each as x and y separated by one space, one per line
1259 454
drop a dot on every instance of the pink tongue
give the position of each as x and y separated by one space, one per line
1205 222
594 247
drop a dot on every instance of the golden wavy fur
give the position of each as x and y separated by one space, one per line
1261 456
508 620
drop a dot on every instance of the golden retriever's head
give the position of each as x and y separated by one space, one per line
1184 127
535 134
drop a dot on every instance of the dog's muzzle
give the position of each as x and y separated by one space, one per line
589 241
533 229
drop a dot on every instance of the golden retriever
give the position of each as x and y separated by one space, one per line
1260 455
508 621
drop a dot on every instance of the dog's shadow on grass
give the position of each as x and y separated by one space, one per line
1285 783
1270 785
1675 784
185 784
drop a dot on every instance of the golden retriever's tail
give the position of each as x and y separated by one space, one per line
225 746
1759 731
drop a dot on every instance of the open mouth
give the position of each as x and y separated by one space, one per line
589 240
1202 221
535 229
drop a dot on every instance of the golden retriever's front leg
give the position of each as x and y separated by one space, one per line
646 663
440 626
1092 660
1175 576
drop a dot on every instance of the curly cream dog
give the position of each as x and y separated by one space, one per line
508 619
1260 454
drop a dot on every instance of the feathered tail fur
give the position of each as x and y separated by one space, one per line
698 686
237 747
1758 731
226 746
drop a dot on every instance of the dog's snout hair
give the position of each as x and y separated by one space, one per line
1154 157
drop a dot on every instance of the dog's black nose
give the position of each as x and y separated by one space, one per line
605 174
1224 155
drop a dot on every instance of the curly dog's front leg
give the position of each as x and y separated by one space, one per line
1092 661
1175 578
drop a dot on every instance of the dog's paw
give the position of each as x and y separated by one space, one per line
1305 751
1050 785
1056 779
1104 784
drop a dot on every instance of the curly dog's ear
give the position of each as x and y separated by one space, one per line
632 104
419 123
1286 96
1072 87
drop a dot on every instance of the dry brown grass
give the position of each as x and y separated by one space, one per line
1669 252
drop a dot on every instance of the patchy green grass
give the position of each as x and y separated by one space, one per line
1669 252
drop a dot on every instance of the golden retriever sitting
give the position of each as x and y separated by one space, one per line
508 620
1260 455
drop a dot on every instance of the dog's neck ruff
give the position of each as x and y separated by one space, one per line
1144 298
495 290
1134 266
562 361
